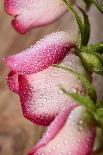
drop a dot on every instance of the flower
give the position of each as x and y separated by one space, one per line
34 13
34 78
71 133
37 82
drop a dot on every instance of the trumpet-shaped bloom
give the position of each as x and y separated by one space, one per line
34 13
34 78
71 133
38 83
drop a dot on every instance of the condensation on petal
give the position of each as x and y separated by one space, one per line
75 137
40 94
33 13
50 50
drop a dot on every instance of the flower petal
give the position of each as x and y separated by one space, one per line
50 50
40 94
12 81
34 13
75 135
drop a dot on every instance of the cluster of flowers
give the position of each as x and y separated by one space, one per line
33 76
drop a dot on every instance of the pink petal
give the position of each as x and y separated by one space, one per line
70 134
40 94
33 13
50 50
12 81
51 131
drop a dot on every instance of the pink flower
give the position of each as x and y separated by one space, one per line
37 82
34 13
71 133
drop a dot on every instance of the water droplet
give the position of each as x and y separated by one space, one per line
54 148
81 122
70 153
41 96
60 153
58 145
41 104
73 90
42 153
60 92
45 99
50 97
66 142
80 128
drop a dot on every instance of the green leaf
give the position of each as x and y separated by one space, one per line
96 113
100 104
100 112
82 100
78 19
89 87
98 4
86 29
98 48
92 61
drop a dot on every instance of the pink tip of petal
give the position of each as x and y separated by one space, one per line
12 81
8 8
28 108
48 51
18 26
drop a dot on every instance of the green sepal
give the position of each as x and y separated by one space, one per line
98 48
92 61
87 3
89 87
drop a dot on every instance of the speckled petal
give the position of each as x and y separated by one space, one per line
12 81
75 136
34 13
40 94
50 50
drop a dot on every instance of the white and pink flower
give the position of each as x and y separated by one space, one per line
34 13
34 78
37 82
